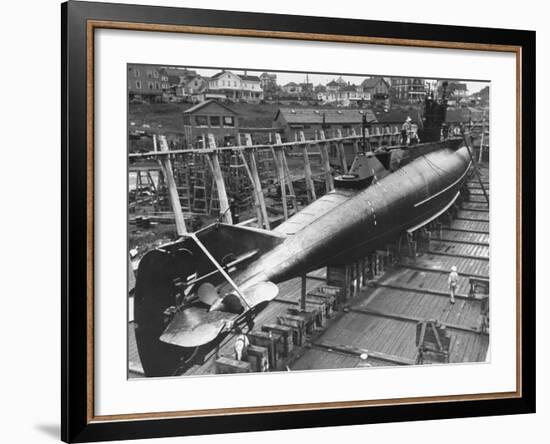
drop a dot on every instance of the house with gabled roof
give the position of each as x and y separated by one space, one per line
333 86
236 87
146 82
268 82
292 88
408 89
210 117
376 86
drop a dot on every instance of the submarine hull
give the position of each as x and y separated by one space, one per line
339 227
354 223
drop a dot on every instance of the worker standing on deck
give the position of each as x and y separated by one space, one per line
363 360
405 129
453 283
241 345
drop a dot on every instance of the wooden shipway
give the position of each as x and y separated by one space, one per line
382 318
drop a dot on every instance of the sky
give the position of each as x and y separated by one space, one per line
286 77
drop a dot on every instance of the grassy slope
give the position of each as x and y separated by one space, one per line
168 115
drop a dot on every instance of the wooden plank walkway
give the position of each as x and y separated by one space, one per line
382 320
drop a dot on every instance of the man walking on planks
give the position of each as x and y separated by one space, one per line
453 283
241 345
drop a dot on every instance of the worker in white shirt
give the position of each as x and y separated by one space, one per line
241 345
453 283
363 360
405 131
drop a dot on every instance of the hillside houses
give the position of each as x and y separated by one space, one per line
372 90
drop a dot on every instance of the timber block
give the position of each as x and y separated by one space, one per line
323 307
285 332
258 358
329 294
225 365
314 315
272 342
309 316
298 326
328 289
323 301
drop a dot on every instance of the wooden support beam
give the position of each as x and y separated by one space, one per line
474 164
412 266
481 143
464 230
255 192
471 219
310 185
342 151
415 319
303 293
462 256
166 165
459 241
281 174
421 290
355 142
329 182
214 162
356 351
257 184
289 183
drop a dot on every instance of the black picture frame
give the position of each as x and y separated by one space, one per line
77 424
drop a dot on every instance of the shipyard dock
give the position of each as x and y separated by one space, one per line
390 304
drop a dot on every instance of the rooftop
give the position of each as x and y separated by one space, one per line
372 82
399 116
250 78
331 115
206 103
463 114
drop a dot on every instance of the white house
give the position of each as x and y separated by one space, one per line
235 87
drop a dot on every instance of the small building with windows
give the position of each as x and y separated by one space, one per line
147 82
290 121
211 117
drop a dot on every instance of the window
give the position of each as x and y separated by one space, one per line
201 120
157 85
228 121
149 73
214 120
150 85
138 84
155 74
137 72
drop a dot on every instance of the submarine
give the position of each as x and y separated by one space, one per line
193 292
